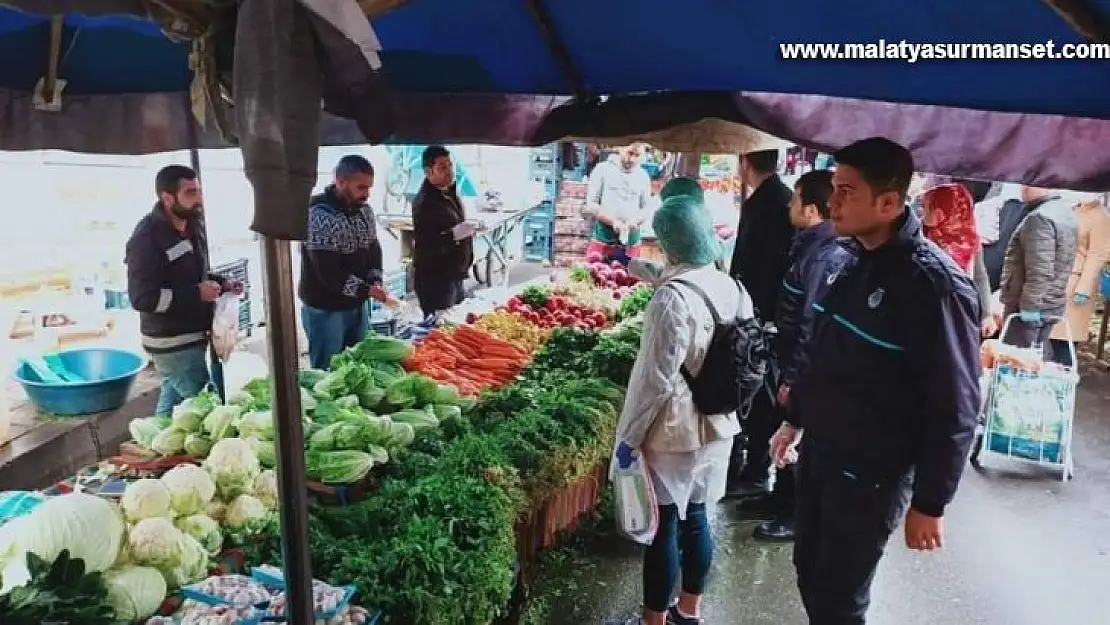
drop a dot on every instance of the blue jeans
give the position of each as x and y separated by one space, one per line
184 374
330 331
663 562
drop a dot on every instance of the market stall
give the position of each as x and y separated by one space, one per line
409 458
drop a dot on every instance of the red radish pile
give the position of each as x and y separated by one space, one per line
612 276
558 312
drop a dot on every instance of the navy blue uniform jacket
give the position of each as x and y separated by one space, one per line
892 385
815 256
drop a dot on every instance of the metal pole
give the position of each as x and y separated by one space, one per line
277 265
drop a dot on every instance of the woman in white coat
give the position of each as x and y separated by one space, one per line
687 453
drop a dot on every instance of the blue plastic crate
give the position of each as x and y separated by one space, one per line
538 237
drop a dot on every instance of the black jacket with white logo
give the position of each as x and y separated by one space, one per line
892 384
164 270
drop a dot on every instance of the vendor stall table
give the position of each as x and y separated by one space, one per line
492 260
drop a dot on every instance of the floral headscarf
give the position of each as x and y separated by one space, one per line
950 209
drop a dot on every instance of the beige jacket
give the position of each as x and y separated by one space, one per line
659 412
1091 256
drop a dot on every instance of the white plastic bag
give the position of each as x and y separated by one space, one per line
637 507
225 325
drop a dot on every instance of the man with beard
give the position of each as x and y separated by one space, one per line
169 283
617 201
443 246
759 260
341 263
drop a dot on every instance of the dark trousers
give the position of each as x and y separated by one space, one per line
680 549
751 457
436 293
841 526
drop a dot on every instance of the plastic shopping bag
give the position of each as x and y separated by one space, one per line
637 509
225 325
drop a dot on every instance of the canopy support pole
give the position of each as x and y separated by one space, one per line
1082 18
562 56
277 271
54 57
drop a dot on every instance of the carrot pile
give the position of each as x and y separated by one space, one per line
467 358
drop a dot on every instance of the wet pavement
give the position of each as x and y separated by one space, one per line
1023 548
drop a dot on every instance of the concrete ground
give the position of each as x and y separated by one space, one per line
1022 548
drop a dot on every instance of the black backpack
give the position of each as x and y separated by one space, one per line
739 362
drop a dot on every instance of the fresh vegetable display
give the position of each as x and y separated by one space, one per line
467 358
513 327
636 301
58 591
589 296
612 276
558 311
469 430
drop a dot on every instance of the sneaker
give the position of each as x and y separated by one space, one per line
674 618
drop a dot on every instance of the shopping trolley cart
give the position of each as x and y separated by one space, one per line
1029 410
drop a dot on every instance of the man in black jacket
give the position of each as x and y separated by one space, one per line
341 263
443 249
759 261
816 257
169 283
889 398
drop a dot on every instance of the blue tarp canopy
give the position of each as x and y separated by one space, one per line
632 46
494 72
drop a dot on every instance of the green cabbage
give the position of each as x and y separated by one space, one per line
447 411
370 397
197 445
257 425
189 414
220 422
411 390
144 429
204 529
265 451
338 467
170 441
347 401
418 419
134 592
89 527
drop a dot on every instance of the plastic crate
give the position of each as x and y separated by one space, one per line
538 237
237 270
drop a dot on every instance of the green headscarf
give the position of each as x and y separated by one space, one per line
682 185
685 231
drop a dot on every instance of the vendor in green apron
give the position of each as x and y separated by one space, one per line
617 199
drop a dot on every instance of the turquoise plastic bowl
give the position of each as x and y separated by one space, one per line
108 373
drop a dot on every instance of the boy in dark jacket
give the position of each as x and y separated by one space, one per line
815 256
341 263
443 249
889 399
